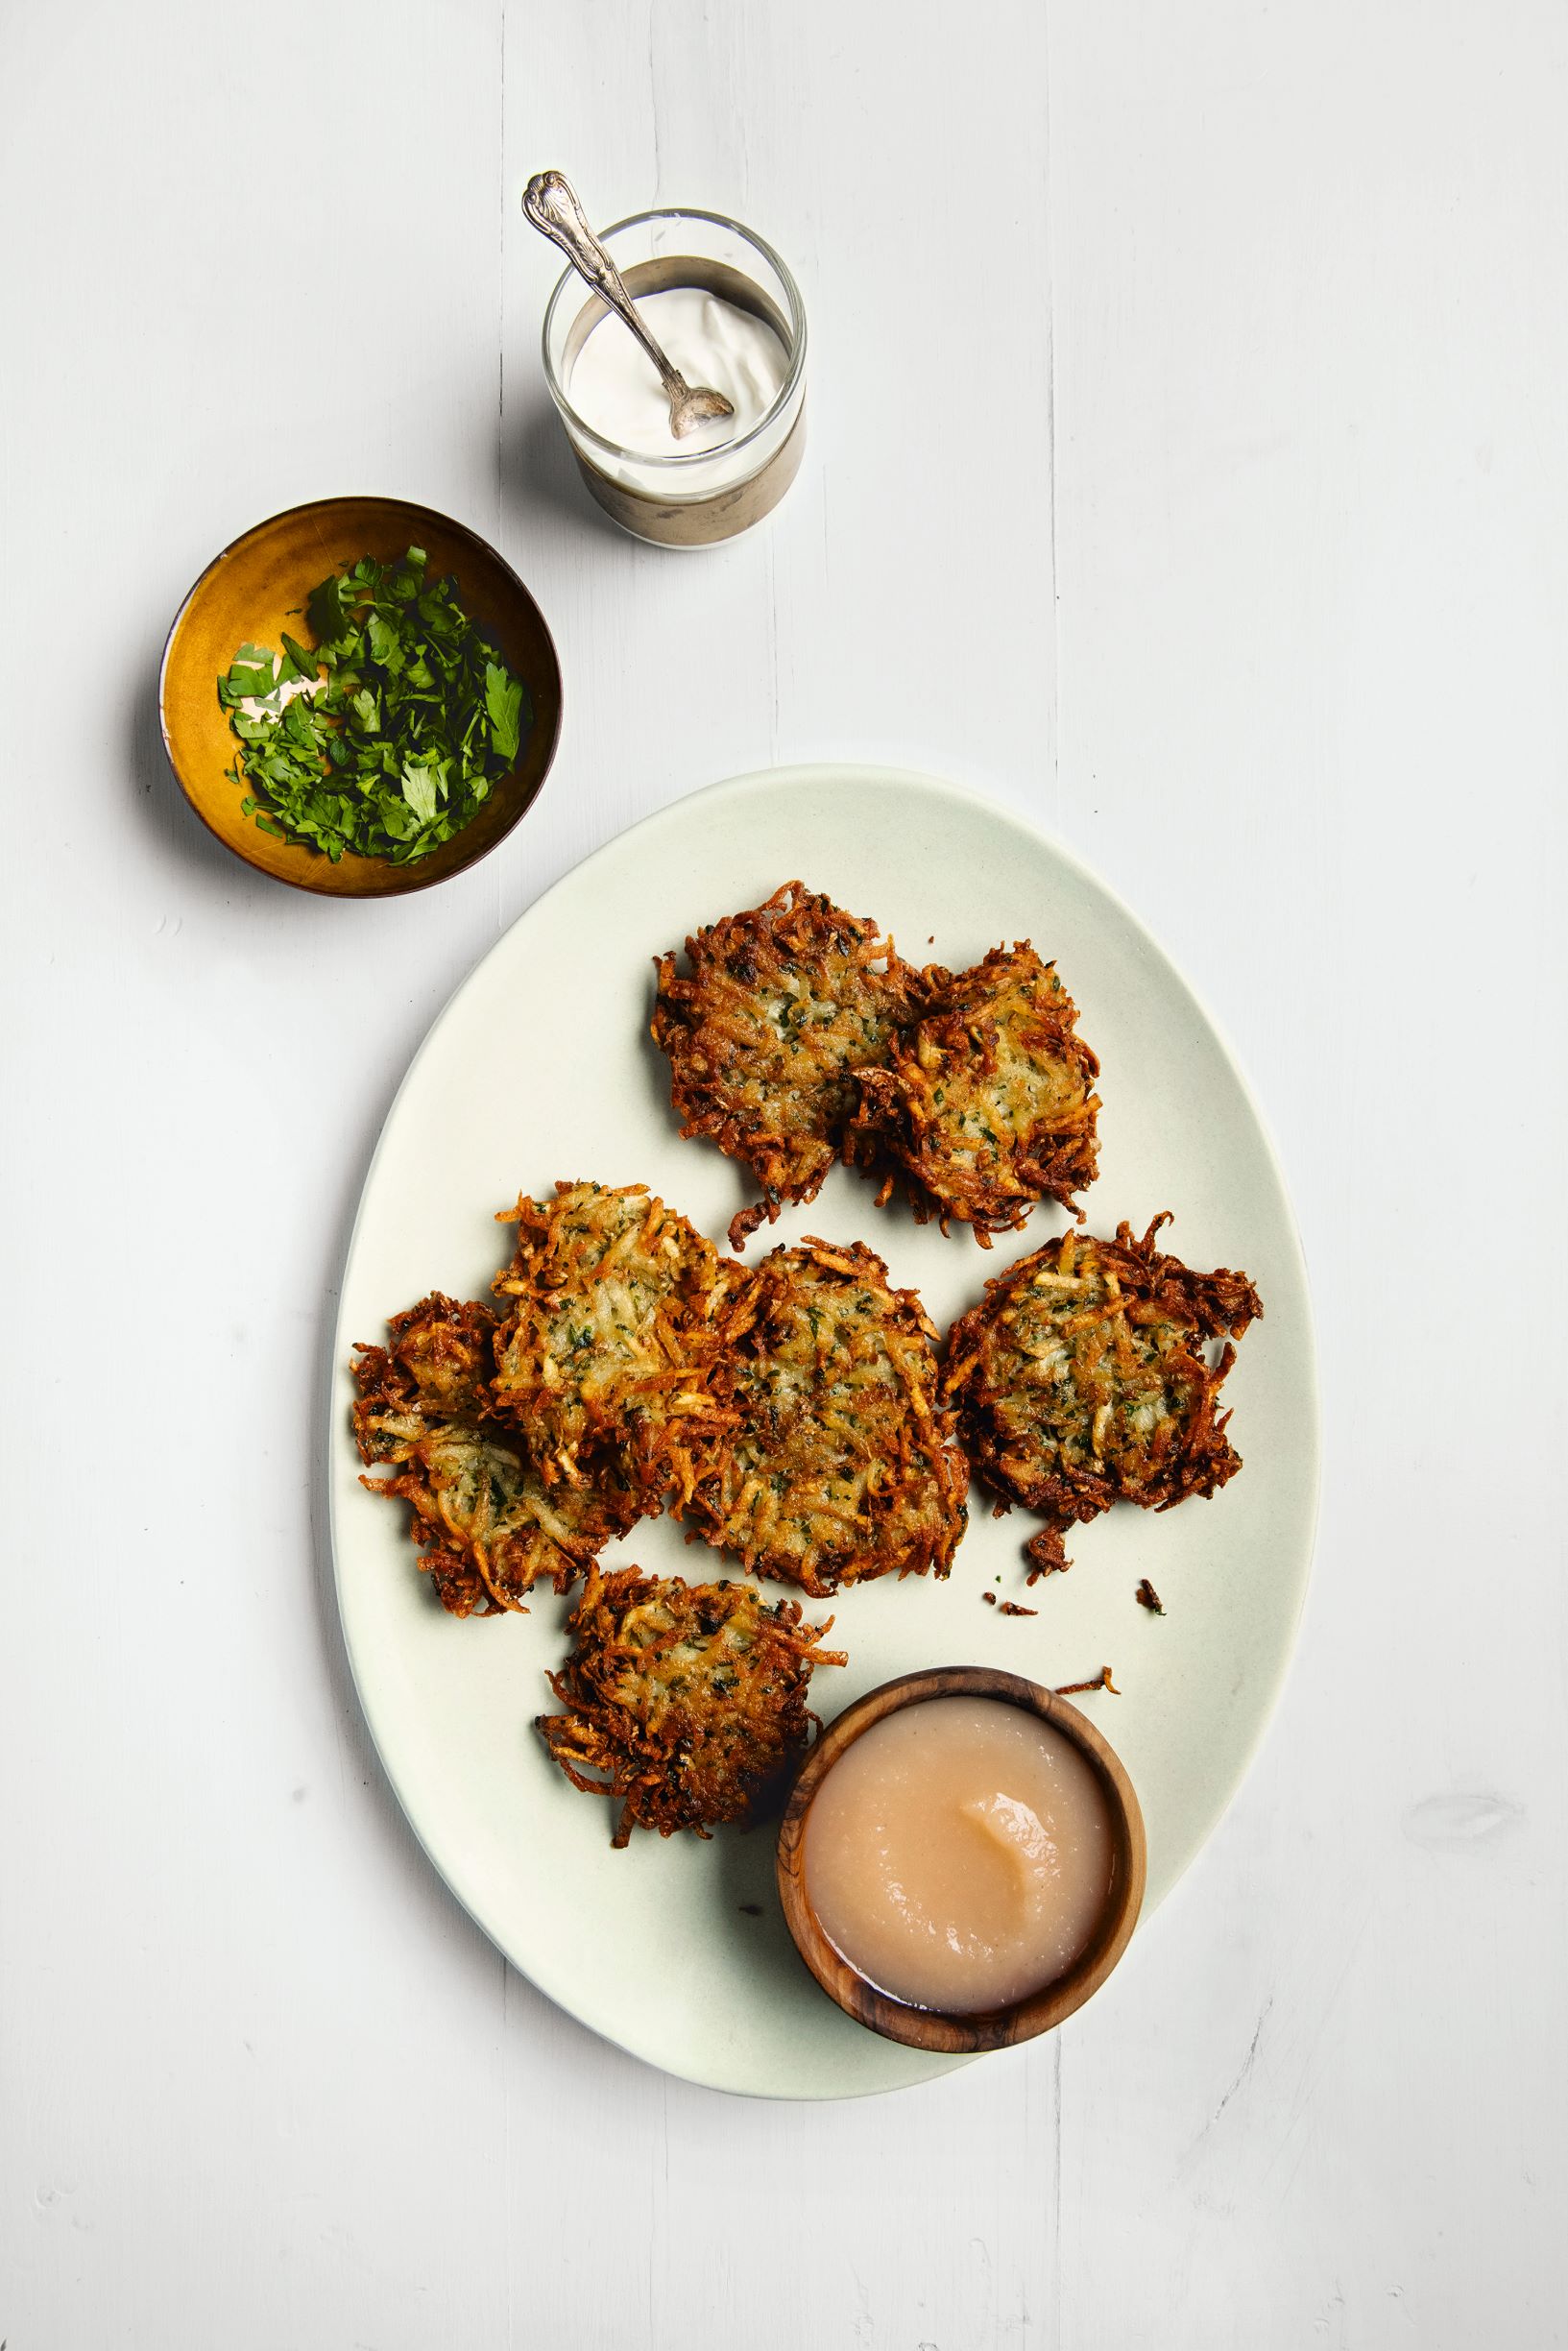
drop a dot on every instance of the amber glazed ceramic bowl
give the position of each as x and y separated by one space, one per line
996 2029
258 587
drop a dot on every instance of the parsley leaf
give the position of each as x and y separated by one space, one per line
305 663
503 701
420 792
249 675
327 610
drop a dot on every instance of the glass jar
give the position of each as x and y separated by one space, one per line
676 496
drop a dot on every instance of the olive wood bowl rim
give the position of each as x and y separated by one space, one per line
376 880
1037 2012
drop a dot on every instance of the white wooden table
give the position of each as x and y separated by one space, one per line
1245 567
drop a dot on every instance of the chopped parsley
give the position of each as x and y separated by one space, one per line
387 736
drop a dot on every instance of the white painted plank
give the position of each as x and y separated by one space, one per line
248 2044
1314 605
897 605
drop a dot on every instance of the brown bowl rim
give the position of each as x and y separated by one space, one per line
399 882
896 2020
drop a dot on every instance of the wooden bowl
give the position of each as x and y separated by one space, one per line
994 2029
258 586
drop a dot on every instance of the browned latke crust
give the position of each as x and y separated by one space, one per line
1080 1380
608 1344
841 1463
782 1006
486 1524
683 1700
986 1104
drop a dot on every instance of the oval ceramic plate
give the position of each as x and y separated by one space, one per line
540 1068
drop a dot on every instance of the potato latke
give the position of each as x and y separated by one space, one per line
841 1463
986 1104
784 1004
683 1701
487 1525
606 1346
1080 1379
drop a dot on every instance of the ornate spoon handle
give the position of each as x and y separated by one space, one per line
551 205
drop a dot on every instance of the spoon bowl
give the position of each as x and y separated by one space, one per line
696 405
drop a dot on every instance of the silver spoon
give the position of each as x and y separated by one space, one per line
552 206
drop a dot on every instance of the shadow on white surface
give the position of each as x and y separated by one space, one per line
156 797
539 474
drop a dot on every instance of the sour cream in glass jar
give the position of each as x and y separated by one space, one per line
729 314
